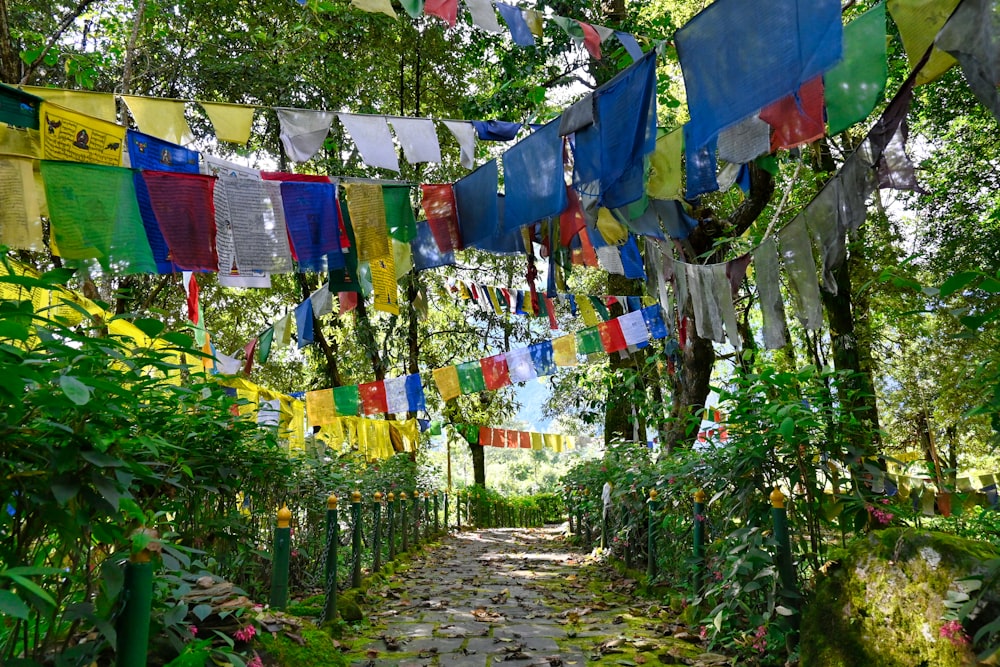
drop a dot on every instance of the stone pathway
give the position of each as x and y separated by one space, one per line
514 596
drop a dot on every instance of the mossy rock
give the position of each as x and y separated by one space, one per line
348 608
319 650
881 604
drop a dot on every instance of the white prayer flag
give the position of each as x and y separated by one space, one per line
634 327
465 134
418 137
303 131
371 136
216 166
395 395
520 366
483 14
322 300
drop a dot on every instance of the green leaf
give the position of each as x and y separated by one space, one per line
31 587
10 329
958 282
202 611
149 326
991 285
75 390
787 428
100 459
11 605
65 488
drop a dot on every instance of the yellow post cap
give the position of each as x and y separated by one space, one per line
331 502
402 495
653 494
777 499
355 496
392 497
284 516
700 496
378 496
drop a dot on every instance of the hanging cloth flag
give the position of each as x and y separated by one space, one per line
447 382
375 7
483 15
571 27
665 166
701 166
612 337
578 116
322 301
542 358
399 220
442 216
73 137
496 130
533 178
283 331
371 136
653 316
251 229
426 254
855 86
519 365
303 131
347 401
611 259
304 323
495 373
415 8
631 260
796 254
465 134
743 142
88 103
797 119
373 398
248 356
20 215
919 22
319 407
226 365
311 219
94 215
587 311
564 350
588 341
470 377
367 210
519 30
160 118
384 284
768 281
149 153
571 220
633 326
231 122
738 57
216 166
476 205
264 346
534 19
972 35
591 40
184 209
443 9
631 46
829 236
895 169
418 137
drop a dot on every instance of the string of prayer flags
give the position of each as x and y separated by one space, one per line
919 22
465 134
311 217
372 137
972 35
855 85
511 439
447 382
514 18
534 186
69 136
231 122
303 131
304 323
161 118
442 215
20 215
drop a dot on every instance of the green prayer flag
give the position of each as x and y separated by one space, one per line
399 212
588 341
415 8
855 85
470 377
264 345
570 27
94 215
768 163
346 400
18 108
602 310
470 432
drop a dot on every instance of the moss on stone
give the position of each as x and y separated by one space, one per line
319 650
882 603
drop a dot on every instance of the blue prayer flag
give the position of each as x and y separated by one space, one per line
542 358
631 259
677 222
415 393
653 317
311 218
701 166
519 30
503 242
534 188
634 303
304 322
476 201
631 46
496 130
426 254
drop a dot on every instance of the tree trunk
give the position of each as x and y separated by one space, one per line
478 464
623 420
10 64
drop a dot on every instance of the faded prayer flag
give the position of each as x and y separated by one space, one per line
442 215
534 187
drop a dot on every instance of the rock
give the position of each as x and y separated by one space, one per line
882 602
349 610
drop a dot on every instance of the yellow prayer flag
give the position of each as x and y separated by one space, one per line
537 441
232 122
612 231
569 442
375 6
384 286
447 382
402 255
73 137
20 218
367 209
553 442
533 18
96 105
332 434
587 311
320 408
665 167
297 431
20 141
919 22
160 118
409 430
564 350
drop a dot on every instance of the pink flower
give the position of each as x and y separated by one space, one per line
703 632
255 661
245 633
954 632
193 629
699 517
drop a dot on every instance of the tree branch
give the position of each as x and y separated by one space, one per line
63 25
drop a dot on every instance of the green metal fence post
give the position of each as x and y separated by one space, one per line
447 499
332 542
653 507
437 516
458 511
133 624
416 518
279 564
377 537
391 521
699 540
427 516
786 568
356 540
403 517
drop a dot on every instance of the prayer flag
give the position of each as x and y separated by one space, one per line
587 311
854 87
231 122
401 224
495 373
972 35
772 307
251 232
149 153
395 395
73 137
519 365
537 441
665 166
160 118
426 254
418 137
373 400
534 185
470 377
319 407
701 166
476 205
86 102
375 7
367 209
519 30
371 136
533 18
304 323
485 436
796 254
631 46
264 345
465 134
578 116
744 141
483 15
303 131
653 316
415 8
542 358
564 350
588 341
283 331
347 401
447 382
215 166
612 338
442 216
919 22
797 119
384 285
591 40
633 326
444 9
415 397
249 352
94 215
311 218
20 215
322 300
524 440
496 130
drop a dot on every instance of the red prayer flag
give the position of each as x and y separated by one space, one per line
571 220
442 216
184 206
797 119
194 312
588 253
525 439
591 40
372 396
553 325
495 372
445 9
348 301
485 436
249 356
612 337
